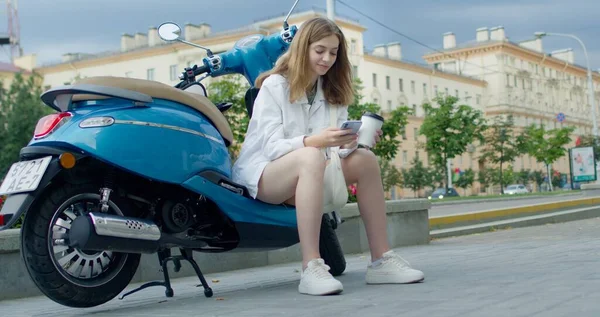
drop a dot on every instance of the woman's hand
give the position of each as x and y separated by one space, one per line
350 145
331 137
378 136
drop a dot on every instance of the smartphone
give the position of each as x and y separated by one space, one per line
353 125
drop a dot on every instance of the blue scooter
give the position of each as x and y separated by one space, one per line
127 166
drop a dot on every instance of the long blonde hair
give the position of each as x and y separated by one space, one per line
294 64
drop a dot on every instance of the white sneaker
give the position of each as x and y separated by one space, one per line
316 280
393 269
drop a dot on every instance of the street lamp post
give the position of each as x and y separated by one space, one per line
589 76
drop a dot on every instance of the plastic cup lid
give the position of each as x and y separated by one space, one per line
373 115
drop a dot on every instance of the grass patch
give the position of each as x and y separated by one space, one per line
500 197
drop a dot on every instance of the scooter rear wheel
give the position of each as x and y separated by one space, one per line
330 248
68 276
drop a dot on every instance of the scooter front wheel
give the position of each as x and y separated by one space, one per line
330 248
69 276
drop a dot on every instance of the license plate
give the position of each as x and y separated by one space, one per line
24 176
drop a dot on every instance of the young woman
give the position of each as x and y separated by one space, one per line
282 159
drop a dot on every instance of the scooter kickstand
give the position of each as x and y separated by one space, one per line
188 255
164 256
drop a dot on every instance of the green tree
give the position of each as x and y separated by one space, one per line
546 146
523 176
416 177
501 145
393 126
466 180
502 178
538 178
232 88
485 177
390 175
436 176
20 110
449 129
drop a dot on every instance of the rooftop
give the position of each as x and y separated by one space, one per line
10 68
496 36
255 26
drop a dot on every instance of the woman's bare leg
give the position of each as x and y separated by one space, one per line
361 167
298 177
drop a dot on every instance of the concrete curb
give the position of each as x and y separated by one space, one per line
408 224
443 222
553 217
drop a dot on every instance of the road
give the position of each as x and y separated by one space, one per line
547 271
444 210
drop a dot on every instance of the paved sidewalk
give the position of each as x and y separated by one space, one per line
551 270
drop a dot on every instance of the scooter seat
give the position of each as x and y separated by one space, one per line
162 91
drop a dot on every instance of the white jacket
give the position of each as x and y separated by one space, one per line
278 127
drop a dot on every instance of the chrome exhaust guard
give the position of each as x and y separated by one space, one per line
122 227
99 231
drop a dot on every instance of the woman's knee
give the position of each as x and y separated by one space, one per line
366 158
311 158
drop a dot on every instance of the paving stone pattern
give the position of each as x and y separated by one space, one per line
551 270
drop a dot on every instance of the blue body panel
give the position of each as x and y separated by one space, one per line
164 154
160 153
243 209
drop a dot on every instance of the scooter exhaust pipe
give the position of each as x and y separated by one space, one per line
99 231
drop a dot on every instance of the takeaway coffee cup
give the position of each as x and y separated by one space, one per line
371 122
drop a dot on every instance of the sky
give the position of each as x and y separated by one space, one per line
50 28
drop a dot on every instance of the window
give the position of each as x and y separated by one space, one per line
401 85
405 158
352 46
416 133
478 99
129 74
355 71
389 106
424 89
446 90
374 80
404 133
414 110
173 72
387 82
456 93
150 74
376 101
435 90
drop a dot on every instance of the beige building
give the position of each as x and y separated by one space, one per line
491 74
8 72
525 81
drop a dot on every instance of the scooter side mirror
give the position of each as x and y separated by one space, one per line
169 31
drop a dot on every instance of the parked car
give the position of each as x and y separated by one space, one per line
515 189
440 193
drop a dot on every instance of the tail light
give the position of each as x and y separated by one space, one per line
50 123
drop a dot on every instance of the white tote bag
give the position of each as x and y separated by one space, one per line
335 193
